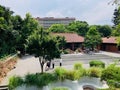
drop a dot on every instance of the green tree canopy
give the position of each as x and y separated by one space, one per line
80 27
116 18
42 45
92 38
104 30
57 28
29 25
7 34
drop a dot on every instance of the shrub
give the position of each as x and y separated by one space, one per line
14 82
97 63
31 79
94 72
112 75
77 66
39 80
73 75
60 73
65 51
60 88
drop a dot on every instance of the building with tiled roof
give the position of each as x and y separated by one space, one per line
73 40
109 44
109 40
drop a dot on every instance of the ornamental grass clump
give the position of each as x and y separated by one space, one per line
60 73
15 81
39 80
96 63
77 66
94 72
73 75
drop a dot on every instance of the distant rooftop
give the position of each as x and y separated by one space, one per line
53 18
109 40
71 37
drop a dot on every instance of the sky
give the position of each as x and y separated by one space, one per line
95 12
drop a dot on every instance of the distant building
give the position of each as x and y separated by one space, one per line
46 22
73 40
109 44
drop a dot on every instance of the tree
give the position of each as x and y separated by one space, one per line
29 24
116 18
57 28
92 38
80 27
104 30
61 41
7 35
42 45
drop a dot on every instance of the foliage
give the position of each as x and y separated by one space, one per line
60 73
7 45
74 74
57 28
118 41
94 72
77 66
96 63
116 31
39 80
42 45
65 51
60 88
14 82
61 42
80 27
111 74
92 38
116 18
104 30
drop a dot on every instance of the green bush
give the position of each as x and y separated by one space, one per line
73 75
60 88
77 66
112 75
96 63
60 73
14 82
65 51
39 80
94 72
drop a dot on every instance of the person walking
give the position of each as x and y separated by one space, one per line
53 64
60 62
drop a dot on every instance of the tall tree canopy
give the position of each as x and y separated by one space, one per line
81 27
116 17
29 24
104 30
7 34
92 38
42 45
57 28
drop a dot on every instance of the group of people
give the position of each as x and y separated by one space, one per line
48 64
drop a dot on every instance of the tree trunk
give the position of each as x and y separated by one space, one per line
41 64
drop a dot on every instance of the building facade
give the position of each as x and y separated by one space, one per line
46 22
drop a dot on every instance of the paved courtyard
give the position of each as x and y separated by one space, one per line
30 64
